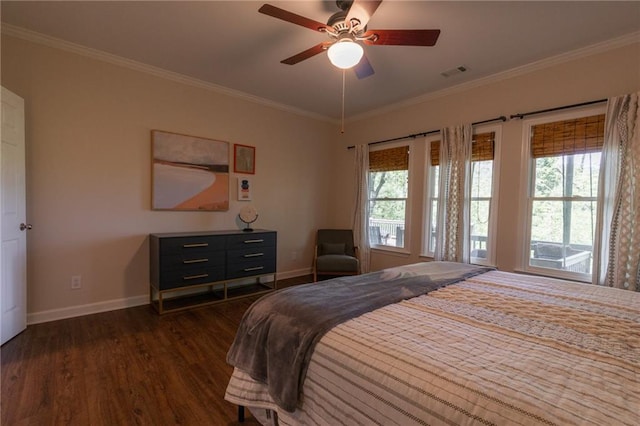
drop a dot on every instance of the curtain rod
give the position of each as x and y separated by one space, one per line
430 132
557 108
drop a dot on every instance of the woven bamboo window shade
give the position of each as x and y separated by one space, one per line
577 136
389 159
481 148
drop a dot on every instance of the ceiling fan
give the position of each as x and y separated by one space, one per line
346 29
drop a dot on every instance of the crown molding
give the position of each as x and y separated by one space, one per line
39 38
505 75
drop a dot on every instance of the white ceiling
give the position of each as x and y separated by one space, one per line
230 44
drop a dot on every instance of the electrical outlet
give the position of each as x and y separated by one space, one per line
294 255
76 282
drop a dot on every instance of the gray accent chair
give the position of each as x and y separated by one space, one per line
335 253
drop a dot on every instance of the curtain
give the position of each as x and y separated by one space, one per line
618 228
452 228
361 210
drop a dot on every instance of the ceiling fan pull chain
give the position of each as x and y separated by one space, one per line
343 86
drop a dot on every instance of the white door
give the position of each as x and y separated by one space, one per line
13 251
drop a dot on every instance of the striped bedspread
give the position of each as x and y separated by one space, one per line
497 348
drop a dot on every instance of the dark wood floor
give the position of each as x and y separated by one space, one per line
125 367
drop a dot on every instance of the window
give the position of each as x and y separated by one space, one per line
388 194
482 154
483 188
433 181
563 191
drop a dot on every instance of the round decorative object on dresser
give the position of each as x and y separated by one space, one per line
248 214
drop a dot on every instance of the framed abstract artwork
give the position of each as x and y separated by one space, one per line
244 159
189 172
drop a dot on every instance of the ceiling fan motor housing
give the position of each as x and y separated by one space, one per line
338 21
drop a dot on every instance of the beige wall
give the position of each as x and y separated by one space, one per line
88 173
587 78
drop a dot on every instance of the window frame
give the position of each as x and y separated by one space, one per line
528 194
490 260
407 213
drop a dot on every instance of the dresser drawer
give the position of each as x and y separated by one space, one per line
251 267
191 245
187 261
251 239
250 254
190 276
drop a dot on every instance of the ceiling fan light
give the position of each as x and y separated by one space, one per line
345 54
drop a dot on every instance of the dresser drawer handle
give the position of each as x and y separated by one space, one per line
256 268
195 245
253 241
254 255
194 277
195 261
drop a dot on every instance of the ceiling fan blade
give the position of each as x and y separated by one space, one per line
276 12
403 37
363 69
362 10
318 48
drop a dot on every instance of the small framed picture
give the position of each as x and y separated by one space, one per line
244 159
244 189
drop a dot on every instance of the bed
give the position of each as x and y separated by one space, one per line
476 346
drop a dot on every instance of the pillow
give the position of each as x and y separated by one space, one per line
332 248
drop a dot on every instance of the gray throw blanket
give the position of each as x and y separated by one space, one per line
278 332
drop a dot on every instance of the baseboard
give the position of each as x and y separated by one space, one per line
112 305
295 273
88 309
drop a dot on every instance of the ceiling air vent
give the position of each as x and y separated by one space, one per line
453 71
